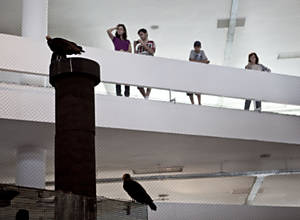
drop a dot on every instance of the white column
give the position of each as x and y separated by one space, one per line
31 161
35 19
31 167
35 26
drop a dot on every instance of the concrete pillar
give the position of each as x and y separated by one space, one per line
31 167
74 80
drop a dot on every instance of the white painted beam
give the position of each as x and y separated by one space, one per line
255 189
201 176
231 32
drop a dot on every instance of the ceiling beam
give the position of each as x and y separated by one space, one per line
229 39
231 31
254 189
197 176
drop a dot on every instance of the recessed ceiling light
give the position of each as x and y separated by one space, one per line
154 27
265 155
163 195
224 23
158 169
289 55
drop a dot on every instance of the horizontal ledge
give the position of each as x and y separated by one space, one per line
198 176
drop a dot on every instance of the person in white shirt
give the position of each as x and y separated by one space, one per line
197 55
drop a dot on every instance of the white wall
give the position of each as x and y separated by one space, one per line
186 211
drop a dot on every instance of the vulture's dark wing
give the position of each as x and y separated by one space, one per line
62 46
72 48
57 45
137 192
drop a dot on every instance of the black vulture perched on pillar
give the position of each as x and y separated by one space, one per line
137 192
62 47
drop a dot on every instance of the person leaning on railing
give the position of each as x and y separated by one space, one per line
197 55
121 44
147 47
253 64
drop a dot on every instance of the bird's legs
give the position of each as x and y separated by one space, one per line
57 57
128 208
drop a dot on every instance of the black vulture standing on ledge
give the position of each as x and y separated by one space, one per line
137 192
62 47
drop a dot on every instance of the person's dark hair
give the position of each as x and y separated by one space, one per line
197 44
124 34
142 30
257 59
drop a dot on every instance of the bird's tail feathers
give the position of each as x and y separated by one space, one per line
153 206
80 48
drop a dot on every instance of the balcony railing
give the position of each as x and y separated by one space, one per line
171 79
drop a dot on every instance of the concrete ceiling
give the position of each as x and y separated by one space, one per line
119 151
271 26
124 149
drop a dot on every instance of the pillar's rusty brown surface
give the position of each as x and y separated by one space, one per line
74 80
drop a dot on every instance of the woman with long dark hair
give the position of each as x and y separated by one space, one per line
253 64
121 43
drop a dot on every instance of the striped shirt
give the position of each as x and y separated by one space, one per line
142 50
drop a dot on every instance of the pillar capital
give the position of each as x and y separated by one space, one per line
73 67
